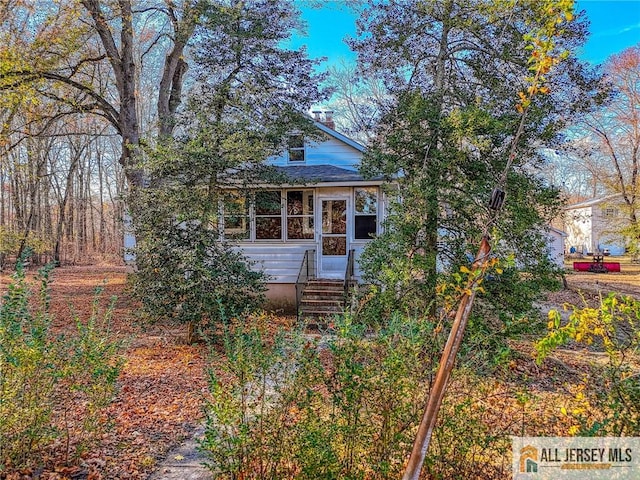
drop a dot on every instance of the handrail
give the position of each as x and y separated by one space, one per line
307 271
349 274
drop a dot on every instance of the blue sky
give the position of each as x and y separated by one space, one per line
615 25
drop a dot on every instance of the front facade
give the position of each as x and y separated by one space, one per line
591 226
325 213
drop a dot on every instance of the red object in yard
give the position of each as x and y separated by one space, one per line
596 266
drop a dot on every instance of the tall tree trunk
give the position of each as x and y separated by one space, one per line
170 88
124 70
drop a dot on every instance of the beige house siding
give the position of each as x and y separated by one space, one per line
593 226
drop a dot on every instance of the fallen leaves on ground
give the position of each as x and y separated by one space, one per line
161 387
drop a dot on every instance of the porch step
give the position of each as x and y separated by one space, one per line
322 299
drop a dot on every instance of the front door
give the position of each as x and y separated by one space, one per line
333 238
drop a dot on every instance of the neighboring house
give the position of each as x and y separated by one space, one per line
323 215
591 226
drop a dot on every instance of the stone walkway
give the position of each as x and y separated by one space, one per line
184 462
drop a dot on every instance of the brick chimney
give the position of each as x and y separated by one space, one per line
328 119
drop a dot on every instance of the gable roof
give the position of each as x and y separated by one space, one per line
557 231
330 131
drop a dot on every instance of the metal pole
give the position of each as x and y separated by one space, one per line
430 417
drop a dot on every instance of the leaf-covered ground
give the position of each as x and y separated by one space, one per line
160 389
163 382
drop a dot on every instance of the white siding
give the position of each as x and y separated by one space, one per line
589 229
281 261
556 247
605 228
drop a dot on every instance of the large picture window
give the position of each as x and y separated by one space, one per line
366 212
268 208
300 214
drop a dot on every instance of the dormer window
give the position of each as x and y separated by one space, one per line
296 148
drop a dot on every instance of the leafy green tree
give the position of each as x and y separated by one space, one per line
250 94
466 78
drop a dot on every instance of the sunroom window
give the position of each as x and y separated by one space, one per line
268 208
366 212
236 218
300 214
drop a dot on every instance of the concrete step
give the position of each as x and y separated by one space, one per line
315 295
322 303
322 299
319 317
325 288
325 282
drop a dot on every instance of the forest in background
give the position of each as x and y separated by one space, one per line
84 85
61 195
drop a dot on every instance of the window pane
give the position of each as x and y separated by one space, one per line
295 205
296 155
236 227
334 245
236 218
334 216
296 148
268 203
268 228
296 141
366 200
365 226
309 197
300 202
300 228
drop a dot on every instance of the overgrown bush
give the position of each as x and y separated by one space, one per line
52 388
607 399
346 407
184 271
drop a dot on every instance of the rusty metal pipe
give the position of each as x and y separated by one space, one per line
430 416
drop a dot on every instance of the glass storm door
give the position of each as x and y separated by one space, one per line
333 238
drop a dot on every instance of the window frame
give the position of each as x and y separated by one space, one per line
308 212
256 216
245 202
374 215
297 148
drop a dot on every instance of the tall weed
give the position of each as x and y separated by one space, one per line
607 399
52 388
341 406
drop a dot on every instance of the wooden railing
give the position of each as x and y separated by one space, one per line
307 271
349 274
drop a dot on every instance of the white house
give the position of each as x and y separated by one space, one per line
591 226
318 222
